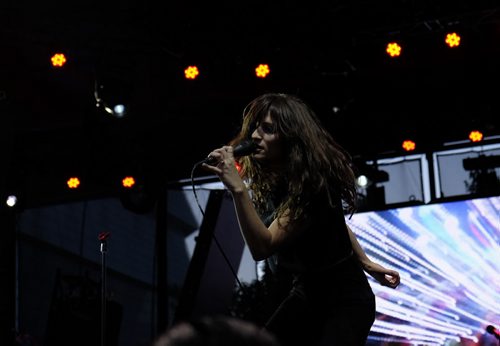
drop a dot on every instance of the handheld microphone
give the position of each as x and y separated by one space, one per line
244 148
492 330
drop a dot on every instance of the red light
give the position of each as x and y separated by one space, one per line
238 166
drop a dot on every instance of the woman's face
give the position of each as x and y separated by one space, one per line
270 148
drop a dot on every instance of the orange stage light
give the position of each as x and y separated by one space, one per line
128 182
73 182
476 136
393 49
262 70
409 145
452 40
191 72
58 60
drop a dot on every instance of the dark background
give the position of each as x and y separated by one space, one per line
332 54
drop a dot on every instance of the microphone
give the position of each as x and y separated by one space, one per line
244 148
492 330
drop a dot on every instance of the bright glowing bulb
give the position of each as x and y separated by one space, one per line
362 181
11 201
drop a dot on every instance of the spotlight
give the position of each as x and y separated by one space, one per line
11 201
368 176
119 110
362 181
14 201
112 97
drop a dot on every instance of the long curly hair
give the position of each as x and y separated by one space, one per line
315 163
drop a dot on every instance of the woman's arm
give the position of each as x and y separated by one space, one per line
386 277
261 241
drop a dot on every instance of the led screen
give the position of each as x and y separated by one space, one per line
449 260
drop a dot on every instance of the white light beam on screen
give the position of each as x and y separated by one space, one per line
465 244
433 329
381 253
487 303
409 271
384 340
415 333
448 258
491 240
374 235
407 241
422 318
473 317
412 302
416 338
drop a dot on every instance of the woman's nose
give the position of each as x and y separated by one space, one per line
256 134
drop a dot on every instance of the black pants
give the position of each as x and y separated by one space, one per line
320 312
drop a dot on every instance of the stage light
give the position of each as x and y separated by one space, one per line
112 97
73 183
476 136
191 72
409 145
262 70
119 110
128 182
11 201
452 40
368 173
393 49
14 199
372 175
368 177
362 181
58 60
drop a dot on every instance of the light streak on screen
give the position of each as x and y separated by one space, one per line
449 260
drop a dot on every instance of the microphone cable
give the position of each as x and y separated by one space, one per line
226 259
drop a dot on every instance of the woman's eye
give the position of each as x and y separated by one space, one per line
268 128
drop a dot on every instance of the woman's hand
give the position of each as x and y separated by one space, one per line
225 169
386 277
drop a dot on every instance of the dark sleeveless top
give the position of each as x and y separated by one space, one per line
324 244
321 258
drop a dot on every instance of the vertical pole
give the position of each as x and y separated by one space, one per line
104 248
161 260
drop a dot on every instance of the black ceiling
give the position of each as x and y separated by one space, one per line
330 53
